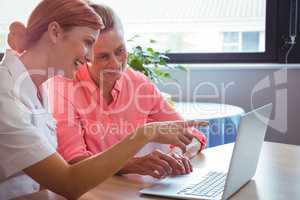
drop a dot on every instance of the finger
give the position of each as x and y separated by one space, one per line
191 123
184 139
186 164
152 173
163 164
174 163
191 166
184 169
158 168
188 133
181 145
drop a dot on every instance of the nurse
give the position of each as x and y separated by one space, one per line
59 35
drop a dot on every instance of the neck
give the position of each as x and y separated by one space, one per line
106 87
36 62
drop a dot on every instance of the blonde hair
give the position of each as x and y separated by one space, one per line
67 13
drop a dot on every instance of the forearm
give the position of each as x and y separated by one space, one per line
78 159
128 168
94 170
72 181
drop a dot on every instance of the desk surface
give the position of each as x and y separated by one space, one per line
277 177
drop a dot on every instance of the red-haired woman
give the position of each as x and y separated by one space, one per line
59 36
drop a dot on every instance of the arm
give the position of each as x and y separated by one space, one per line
57 175
72 181
162 111
24 147
72 146
165 113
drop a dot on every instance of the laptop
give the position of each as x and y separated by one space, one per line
218 185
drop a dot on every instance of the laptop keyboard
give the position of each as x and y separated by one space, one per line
211 185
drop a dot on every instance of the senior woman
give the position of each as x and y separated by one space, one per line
106 101
59 35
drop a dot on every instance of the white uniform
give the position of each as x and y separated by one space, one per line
27 130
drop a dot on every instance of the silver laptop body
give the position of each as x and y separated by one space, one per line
243 164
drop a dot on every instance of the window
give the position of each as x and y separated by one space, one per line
250 42
10 12
231 42
194 30
243 42
193 26
3 34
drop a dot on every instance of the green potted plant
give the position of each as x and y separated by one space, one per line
152 64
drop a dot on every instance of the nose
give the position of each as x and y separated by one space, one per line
115 63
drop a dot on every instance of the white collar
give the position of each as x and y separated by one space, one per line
15 66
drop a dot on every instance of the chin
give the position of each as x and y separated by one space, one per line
113 76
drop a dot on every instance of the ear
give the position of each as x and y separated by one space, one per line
55 32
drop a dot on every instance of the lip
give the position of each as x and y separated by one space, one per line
112 72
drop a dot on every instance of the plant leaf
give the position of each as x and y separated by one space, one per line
180 67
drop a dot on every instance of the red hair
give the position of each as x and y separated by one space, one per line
67 13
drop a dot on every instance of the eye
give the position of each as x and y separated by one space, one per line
120 51
102 57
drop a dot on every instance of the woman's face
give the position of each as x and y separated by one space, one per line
74 48
110 57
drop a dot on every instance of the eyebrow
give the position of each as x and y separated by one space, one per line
121 46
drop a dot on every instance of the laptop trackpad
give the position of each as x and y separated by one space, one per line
171 185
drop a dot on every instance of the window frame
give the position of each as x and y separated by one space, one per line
277 28
269 56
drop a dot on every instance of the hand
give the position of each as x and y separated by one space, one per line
185 162
158 165
172 132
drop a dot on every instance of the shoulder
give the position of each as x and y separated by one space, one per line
64 95
136 76
141 83
58 86
6 79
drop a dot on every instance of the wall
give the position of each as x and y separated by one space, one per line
241 82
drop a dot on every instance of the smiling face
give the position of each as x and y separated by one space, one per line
110 57
73 48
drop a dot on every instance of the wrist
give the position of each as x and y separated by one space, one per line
145 134
128 167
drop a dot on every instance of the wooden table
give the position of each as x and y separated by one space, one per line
277 177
